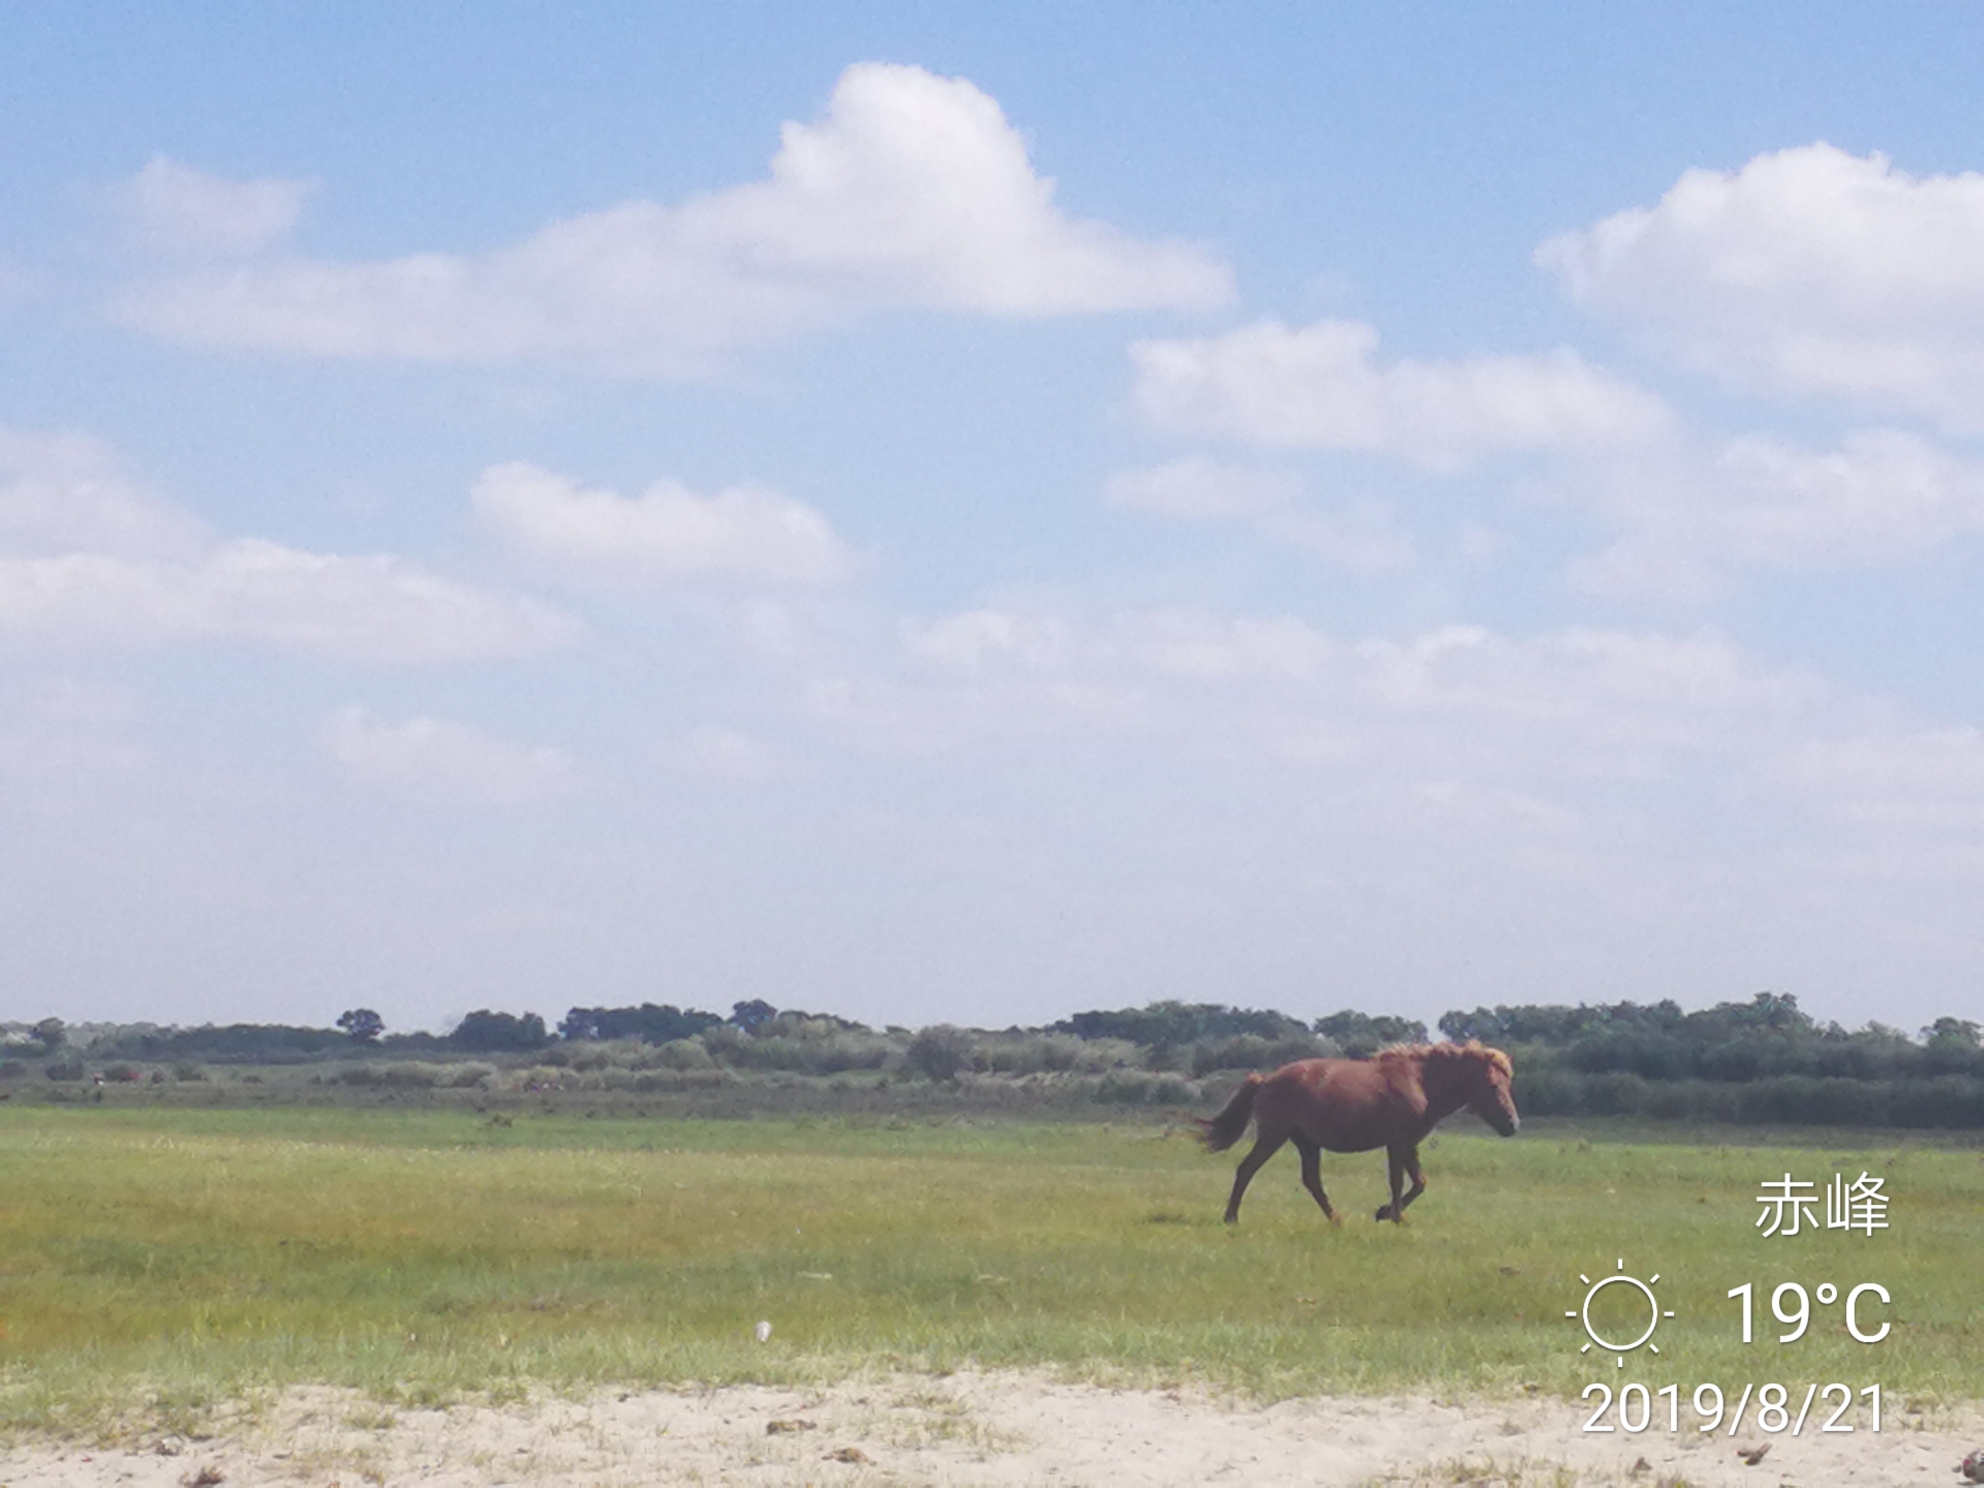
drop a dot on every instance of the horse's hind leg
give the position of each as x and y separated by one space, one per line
1312 1175
1265 1147
1404 1160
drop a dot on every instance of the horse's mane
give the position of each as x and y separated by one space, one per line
1473 1050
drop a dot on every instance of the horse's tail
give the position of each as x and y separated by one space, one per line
1230 1125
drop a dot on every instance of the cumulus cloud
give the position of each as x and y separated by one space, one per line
63 492
1319 387
1690 518
1807 271
175 208
441 762
1199 488
1556 794
62 730
88 558
914 190
668 532
1453 702
1360 537
370 608
1916 778
715 753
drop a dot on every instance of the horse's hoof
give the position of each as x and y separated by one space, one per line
1384 1213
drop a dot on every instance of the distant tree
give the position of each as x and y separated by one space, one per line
1777 1011
753 1015
1361 1034
237 1043
485 1032
362 1024
940 1051
1952 1048
1558 1025
1166 1025
649 1023
1951 1033
1526 1023
51 1034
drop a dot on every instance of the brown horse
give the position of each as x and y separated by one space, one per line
1355 1105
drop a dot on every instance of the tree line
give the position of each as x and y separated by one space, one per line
1760 1061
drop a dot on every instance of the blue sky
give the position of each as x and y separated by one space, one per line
968 518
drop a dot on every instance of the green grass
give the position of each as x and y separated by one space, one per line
166 1260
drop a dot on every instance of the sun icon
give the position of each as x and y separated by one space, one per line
1654 1314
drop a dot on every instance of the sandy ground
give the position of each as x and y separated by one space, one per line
991 1429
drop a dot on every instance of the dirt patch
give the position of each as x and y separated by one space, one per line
979 1429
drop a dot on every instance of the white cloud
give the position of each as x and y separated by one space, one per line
441 762
914 190
1359 536
668 532
1917 778
975 642
1456 702
1689 518
63 492
1808 271
370 608
176 208
714 753
60 731
1318 387
1198 488
88 558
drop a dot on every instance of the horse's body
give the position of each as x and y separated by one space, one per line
1357 1105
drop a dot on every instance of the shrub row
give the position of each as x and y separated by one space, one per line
1947 1101
1759 1061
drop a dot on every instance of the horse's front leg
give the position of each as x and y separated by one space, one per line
1404 1160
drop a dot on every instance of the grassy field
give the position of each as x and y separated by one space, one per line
164 1260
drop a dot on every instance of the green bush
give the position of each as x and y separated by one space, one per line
1250 1051
1950 1101
684 1054
1668 1101
1030 1053
941 1052
1138 1088
1543 1089
818 1050
1614 1095
395 1076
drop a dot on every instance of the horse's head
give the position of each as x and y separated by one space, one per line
1485 1085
